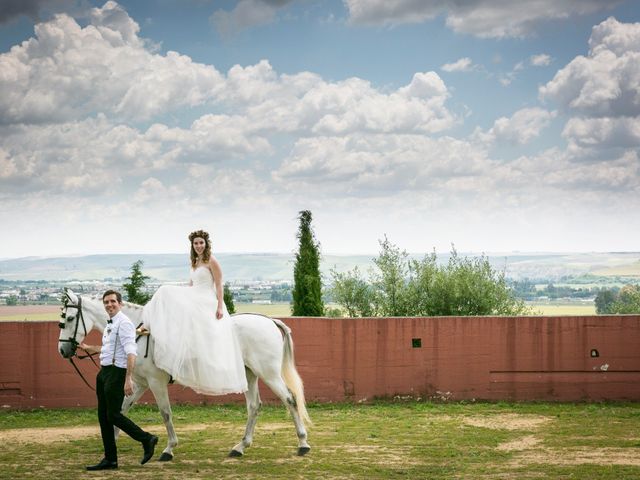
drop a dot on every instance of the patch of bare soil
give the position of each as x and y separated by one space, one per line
578 456
510 421
377 454
65 434
524 443
268 427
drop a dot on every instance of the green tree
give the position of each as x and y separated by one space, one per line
353 293
228 299
135 286
628 300
390 282
406 287
307 285
12 300
604 301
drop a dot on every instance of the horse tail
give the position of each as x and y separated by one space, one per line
290 374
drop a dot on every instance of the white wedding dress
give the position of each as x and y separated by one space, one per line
191 344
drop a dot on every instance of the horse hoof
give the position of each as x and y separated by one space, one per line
302 451
235 453
165 457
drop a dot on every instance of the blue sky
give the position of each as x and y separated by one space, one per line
494 125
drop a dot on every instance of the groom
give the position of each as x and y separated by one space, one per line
117 359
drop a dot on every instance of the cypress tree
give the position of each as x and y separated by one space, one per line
307 286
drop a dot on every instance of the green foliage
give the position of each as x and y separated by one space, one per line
404 287
135 286
604 301
333 312
389 285
228 299
307 284
353 293
627 300
12 300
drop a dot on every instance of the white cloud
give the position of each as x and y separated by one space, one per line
68 71
462 65
540 60
601 92
482 18
620 132
90 156
378 165
522 127
607 81
306 103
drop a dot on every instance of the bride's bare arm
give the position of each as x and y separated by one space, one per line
216 271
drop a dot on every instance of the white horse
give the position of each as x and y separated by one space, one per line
267 351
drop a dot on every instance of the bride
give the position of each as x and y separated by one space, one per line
195 339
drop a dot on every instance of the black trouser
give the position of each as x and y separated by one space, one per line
110 391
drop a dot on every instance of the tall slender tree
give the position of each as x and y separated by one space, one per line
135 286
307 285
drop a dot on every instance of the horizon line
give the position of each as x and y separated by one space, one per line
486 253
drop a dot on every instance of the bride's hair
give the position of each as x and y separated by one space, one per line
206 255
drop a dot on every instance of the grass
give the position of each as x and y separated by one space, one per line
405 439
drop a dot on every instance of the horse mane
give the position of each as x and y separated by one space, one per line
133 306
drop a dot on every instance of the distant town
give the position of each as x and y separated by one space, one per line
45 292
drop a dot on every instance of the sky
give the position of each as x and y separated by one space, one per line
493 125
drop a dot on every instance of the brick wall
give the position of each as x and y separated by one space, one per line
493 358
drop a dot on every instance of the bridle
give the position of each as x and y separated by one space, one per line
79 318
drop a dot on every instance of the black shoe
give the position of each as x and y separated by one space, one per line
104 465
149 446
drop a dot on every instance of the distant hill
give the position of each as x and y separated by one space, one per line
276 266
626 270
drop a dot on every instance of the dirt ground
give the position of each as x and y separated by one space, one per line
65 434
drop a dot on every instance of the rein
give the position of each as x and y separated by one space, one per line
73 341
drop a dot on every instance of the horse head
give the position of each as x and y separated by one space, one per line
74 323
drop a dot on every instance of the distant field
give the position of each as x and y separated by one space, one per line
34 313
563 309
29 313
629 270
52 312
273 310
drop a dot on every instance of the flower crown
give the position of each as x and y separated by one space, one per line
199 234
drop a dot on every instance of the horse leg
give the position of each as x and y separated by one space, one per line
160 392
252 396
277 385
128 402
